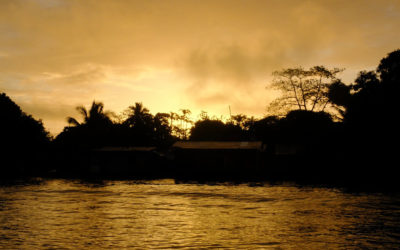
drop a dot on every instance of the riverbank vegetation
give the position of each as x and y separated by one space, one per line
353 125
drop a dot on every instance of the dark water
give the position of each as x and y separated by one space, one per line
162 214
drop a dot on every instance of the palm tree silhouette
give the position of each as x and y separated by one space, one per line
138 116
92 117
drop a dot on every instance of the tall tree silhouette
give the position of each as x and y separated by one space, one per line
139 125
23 141
389 69
96 129
183 129
302 89
162 130
373 94
95 116
370 106
138 116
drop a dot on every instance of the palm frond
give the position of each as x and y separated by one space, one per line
82 110
73 121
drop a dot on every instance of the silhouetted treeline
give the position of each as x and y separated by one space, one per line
213 129
98 129
370 111
350 128
370 108
23 140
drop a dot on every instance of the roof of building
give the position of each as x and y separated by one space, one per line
218 145
125 149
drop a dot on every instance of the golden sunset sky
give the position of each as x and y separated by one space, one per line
200 55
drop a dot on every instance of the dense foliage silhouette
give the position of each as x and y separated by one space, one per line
369 106
95 130
23 139
370 126
216 130
352 139
141 128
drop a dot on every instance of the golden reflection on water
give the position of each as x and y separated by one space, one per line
162 214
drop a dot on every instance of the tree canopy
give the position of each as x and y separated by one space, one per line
303 89
23 138
95 116
18 128
372 98
216 130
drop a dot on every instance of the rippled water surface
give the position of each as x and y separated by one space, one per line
162 214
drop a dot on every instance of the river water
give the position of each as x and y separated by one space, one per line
161 214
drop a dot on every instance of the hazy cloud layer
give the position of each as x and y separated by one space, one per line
202 55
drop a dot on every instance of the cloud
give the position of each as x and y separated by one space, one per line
303 34
82 76
55 54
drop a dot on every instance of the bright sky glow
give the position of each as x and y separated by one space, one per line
169 55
